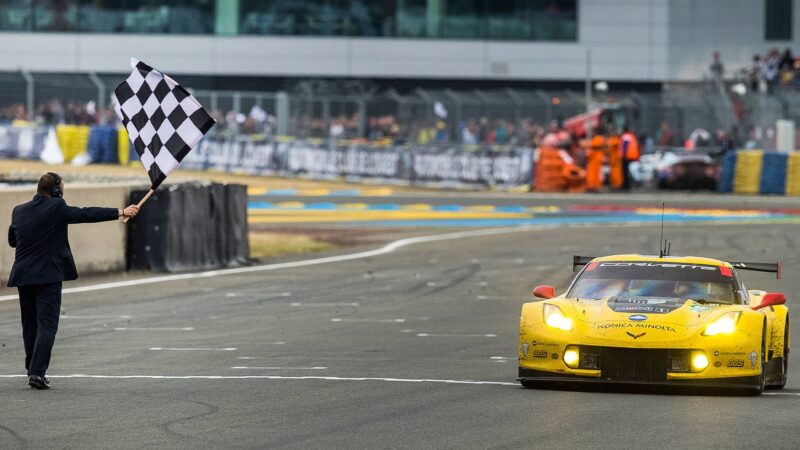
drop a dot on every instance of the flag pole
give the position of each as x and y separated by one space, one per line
141 202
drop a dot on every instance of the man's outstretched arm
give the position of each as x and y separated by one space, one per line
73 214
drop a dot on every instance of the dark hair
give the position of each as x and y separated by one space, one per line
46 184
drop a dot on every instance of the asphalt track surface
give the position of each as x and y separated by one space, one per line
413 348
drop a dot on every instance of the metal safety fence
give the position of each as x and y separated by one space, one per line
357 110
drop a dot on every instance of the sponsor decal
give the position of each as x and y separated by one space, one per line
739 363
717 364
642 308
554 356
658 265
540 353
700 308
644 326
635 336
524 350
731 353
753 356
637 317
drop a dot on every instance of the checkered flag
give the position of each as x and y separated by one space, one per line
163 120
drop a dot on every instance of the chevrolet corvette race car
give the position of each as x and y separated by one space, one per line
657 320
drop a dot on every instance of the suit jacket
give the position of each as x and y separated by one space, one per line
38 231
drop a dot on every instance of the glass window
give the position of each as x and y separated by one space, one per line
109 16
16 15
454 19
554 20
411 19
509 19
318 17
463 19
778 20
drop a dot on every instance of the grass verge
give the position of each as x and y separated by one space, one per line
267 245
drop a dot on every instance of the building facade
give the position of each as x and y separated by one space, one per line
650 41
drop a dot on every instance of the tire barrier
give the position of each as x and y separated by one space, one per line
747 175
73 140
102 144
189 227
760 172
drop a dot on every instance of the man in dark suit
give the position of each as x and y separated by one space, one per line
43 260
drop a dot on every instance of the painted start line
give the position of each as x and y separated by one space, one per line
308 378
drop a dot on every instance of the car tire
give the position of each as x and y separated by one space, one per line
785 365
759 388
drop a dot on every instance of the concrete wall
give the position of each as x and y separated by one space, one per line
96 247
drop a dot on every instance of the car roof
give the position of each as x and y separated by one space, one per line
665 259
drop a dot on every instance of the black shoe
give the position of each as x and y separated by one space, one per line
37 382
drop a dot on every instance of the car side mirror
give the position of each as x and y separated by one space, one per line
544 291
771 299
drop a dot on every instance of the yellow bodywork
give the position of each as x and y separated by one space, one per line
594 323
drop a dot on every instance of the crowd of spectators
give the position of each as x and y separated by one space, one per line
382 129
55 111
766 71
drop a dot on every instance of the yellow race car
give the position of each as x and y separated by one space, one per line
657 320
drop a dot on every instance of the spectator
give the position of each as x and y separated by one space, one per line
665 135
787 60
716 67
770 68
756 73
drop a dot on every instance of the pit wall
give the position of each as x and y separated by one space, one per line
97 247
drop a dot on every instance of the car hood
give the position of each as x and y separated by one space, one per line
651 319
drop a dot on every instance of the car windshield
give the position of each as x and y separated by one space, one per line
621 281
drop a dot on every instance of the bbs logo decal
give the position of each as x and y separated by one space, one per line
540 353
736 363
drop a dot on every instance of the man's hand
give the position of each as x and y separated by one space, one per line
130 211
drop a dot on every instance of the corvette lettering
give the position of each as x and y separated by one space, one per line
643 326
658 265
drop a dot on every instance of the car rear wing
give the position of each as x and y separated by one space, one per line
775 268
578 261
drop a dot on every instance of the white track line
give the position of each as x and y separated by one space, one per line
169 349
270 377
67 316
323 304
454 335
153 329
337 319
279 368
388 248
301 378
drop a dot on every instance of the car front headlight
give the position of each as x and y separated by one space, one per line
554 318
724 325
